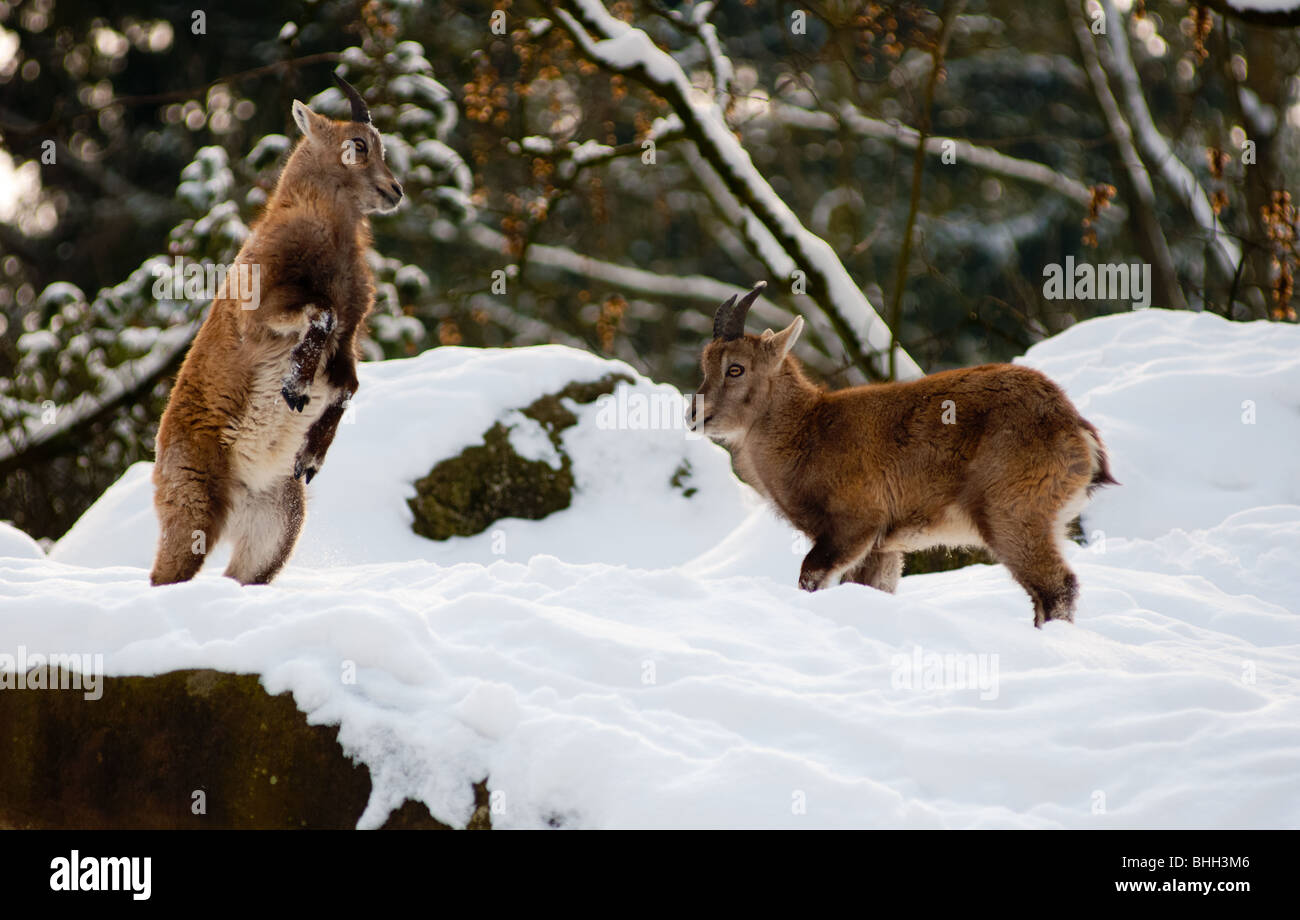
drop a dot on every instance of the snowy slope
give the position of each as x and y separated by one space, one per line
643 658
13 542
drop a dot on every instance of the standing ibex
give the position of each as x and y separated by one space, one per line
260 394
992 456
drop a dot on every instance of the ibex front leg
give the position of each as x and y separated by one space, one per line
839 547
319 438
341 374
304 360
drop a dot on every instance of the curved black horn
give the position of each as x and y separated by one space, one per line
360 112
721 315
729 321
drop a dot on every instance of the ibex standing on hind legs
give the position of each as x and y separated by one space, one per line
993 456
260 394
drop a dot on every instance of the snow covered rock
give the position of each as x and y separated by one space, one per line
521 469
644 659
217 751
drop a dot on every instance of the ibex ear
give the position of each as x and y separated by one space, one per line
302 116
781 342
767 334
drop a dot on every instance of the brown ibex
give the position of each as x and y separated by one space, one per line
993 456
259 396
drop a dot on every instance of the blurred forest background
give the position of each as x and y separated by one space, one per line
914 168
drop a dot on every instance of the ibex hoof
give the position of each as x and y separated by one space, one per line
811 581
297 401
300 470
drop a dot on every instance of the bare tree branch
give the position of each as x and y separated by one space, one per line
952 9
1158 150
1152 235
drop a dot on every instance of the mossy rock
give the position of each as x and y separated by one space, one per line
152 748
945 559
466 494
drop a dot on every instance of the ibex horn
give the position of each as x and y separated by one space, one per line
360 112
729 321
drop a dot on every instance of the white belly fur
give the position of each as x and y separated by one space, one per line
953 529
267 441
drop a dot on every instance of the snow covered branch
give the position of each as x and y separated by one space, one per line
573 157
706 291
764 244
621 48
1275 14
129 382
906 137
698 24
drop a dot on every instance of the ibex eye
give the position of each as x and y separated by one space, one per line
358 145
735 370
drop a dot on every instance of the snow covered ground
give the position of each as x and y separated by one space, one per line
644 659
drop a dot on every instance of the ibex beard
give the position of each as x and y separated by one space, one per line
994 456
260 394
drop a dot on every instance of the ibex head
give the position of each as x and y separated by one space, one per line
739 370
349 155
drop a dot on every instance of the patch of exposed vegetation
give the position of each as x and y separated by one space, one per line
945 559
466 494
681 476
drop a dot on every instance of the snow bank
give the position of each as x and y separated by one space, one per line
409 414
1201 416
16 544
643 659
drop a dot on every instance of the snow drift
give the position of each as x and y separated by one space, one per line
643 659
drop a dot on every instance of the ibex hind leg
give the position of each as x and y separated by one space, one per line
1033 556
1049 582
191 516
264 528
